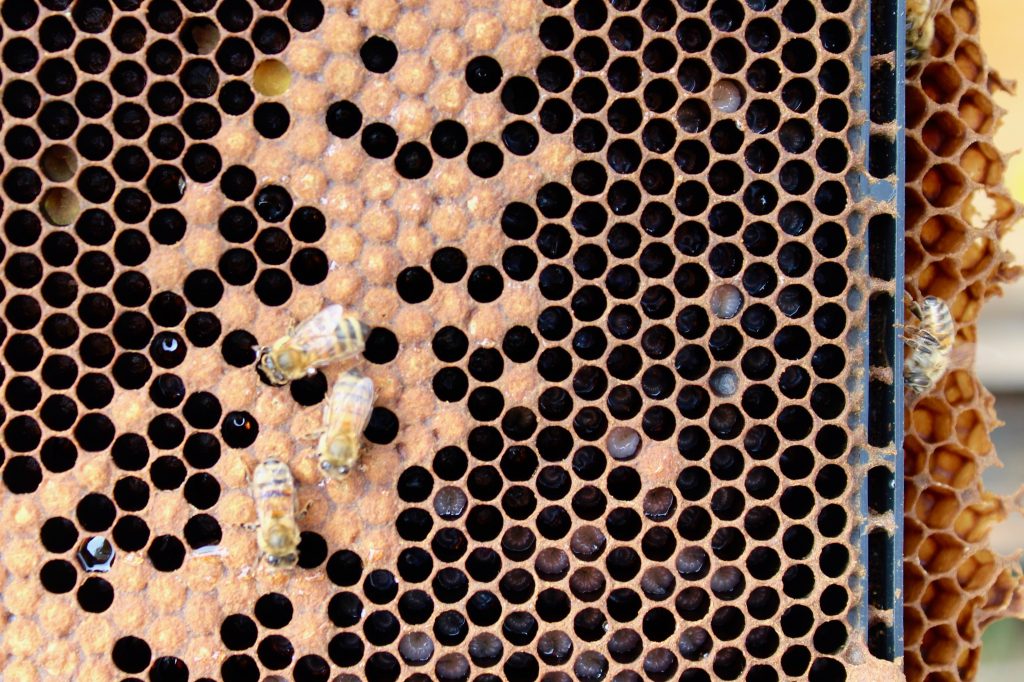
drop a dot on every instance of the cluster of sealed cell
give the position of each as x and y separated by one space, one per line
609 361
957 210
448 139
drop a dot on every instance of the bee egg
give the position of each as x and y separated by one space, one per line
587 543
660 663
416 648
657 582
556 676
450 503
692 563
625 645
551 564
485 649
590 666
727 582
659 504
587 584
452 667
554 647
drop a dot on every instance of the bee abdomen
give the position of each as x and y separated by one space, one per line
939 321
351 334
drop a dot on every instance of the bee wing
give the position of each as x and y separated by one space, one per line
317 336
370 397
314 326
338 403
352 400
962 355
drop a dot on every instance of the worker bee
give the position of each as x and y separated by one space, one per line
920 29
345 417
277 533
931 345
327 337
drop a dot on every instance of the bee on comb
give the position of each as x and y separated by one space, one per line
920 29
345 417
329 336
277 533
930 343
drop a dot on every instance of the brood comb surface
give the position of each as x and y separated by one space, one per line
605 249
957 211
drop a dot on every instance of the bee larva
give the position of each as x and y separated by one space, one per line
931 344
277 533
329 336
345 417
920 29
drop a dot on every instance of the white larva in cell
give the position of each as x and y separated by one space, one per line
726 301
724 382
623 442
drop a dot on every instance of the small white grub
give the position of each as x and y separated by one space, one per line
623 442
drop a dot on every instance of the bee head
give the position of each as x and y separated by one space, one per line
339 455
283 560
287 359
271 366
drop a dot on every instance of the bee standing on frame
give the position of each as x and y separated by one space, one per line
345 417
277 533
931 344
329 336
920 29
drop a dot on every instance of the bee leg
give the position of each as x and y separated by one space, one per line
912 342
311 435
248 473
915 309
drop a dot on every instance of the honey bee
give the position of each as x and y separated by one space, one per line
931 345
920 29
277 533
345 417
327 337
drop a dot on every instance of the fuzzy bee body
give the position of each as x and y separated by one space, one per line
931 344
345 417
329 336
277 533
920 29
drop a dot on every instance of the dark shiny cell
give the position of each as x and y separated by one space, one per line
414 285
449 264
483 74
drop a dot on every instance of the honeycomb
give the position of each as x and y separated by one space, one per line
957 209
613 255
